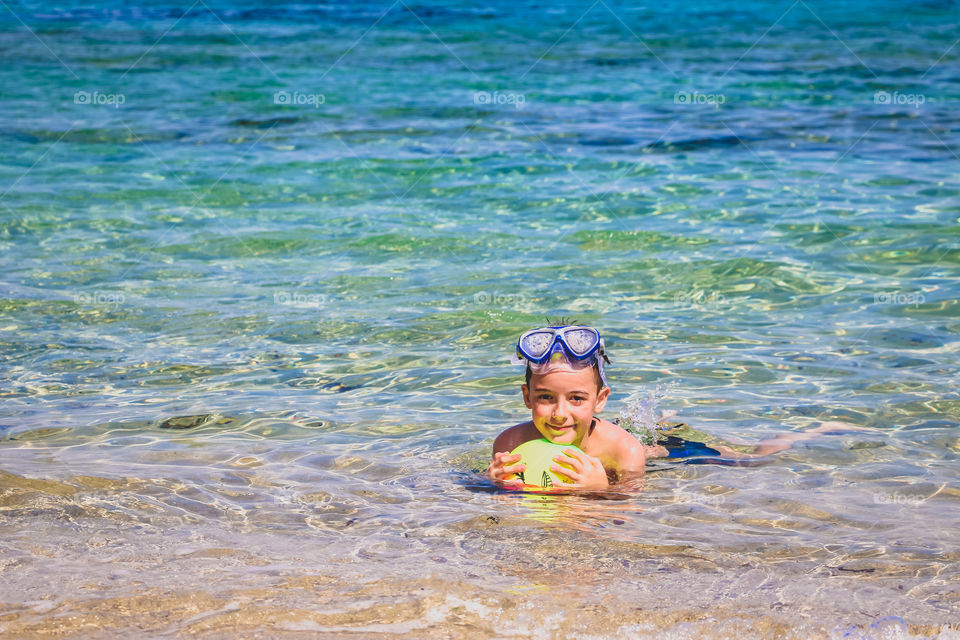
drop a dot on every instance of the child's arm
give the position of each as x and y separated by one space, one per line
503 466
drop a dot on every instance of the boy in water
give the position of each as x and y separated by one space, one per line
565 389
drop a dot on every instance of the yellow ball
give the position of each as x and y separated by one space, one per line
538 456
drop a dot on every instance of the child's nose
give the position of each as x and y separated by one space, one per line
562 410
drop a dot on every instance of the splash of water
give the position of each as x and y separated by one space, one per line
639 416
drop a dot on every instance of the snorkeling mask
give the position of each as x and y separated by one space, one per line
552 347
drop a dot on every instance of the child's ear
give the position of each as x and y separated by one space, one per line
602 399
526 396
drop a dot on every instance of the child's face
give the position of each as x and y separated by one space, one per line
563 402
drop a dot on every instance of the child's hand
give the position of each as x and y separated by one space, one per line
503 467
587 472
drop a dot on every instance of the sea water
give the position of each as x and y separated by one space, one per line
263 269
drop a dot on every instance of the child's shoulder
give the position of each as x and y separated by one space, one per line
513 437
616 447
613 438
607 429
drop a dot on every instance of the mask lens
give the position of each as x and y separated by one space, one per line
580 341
536 344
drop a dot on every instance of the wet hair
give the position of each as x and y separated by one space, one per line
596 375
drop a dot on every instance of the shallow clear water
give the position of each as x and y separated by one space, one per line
256 319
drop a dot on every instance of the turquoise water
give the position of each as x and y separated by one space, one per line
263 268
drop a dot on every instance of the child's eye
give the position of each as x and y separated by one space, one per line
543 396
579 399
